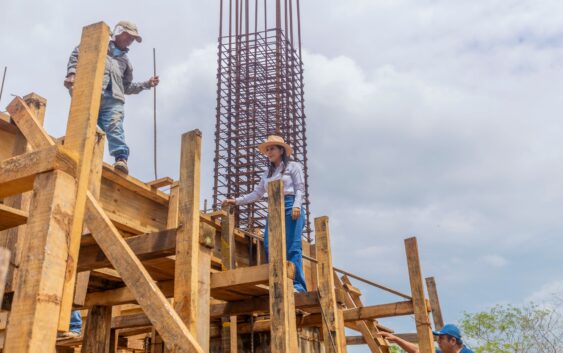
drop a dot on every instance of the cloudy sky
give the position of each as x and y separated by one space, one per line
435 118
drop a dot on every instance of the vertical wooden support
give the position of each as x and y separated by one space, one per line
331 325
207 244
187 238
281 310
172 217
80 139
434 303
97 332
228 323
40 279
423 328
13 238
83 278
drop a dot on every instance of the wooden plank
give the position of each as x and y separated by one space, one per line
374 346
187 237
11 217
80 138
145 247
152 300
357 340
434 303
28 124
40 279
207 232
135 185
229 323
97 330
423 328
172 215
159 183
14 238
18 173
83 278
379 311
281 311
325 281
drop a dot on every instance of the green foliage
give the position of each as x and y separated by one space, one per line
512 329
395 349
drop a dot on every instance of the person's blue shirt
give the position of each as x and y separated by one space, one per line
463 350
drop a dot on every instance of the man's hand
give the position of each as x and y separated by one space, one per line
69 81
228 202
389 337
295 213
153 81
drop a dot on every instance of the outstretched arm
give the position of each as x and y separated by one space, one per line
407 346
255 195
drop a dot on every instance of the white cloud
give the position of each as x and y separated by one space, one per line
494 260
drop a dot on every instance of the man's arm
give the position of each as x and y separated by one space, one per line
71 68
407 346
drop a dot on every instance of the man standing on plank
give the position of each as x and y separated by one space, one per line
117 82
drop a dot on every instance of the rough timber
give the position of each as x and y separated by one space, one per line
81 235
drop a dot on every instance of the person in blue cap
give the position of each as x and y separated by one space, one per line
448 338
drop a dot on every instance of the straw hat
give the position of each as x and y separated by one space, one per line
277 141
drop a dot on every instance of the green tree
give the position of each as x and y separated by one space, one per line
515 329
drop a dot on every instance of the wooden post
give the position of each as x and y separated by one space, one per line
331 325
187 239
40 278
13 238
80 139
434 303
228 323
97 331
281 310
207 244
423 328
83 278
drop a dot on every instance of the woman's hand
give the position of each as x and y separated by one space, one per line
228 202
295 213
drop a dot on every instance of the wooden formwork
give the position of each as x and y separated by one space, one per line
149 270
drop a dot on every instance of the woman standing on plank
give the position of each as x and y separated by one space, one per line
291 173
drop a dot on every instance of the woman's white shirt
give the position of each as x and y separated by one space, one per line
293 184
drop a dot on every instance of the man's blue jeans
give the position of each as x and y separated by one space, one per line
110 120
75 321
294 248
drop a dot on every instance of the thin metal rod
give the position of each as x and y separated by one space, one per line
3 78
367 281
154 113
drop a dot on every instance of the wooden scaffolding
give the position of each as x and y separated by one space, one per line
148 269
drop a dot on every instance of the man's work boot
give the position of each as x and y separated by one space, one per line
121 165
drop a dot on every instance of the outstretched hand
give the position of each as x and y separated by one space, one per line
154 81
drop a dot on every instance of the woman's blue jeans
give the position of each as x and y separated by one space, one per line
294 249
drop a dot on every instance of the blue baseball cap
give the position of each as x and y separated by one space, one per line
449 329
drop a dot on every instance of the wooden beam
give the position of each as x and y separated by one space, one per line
434 303
187 237
18 173
357 340
423 328
11 217
159 183
379 311
229 323
330 323
97 330
80 139
83 278
28 124
207 242
40 279
281 312
150 298
14 238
